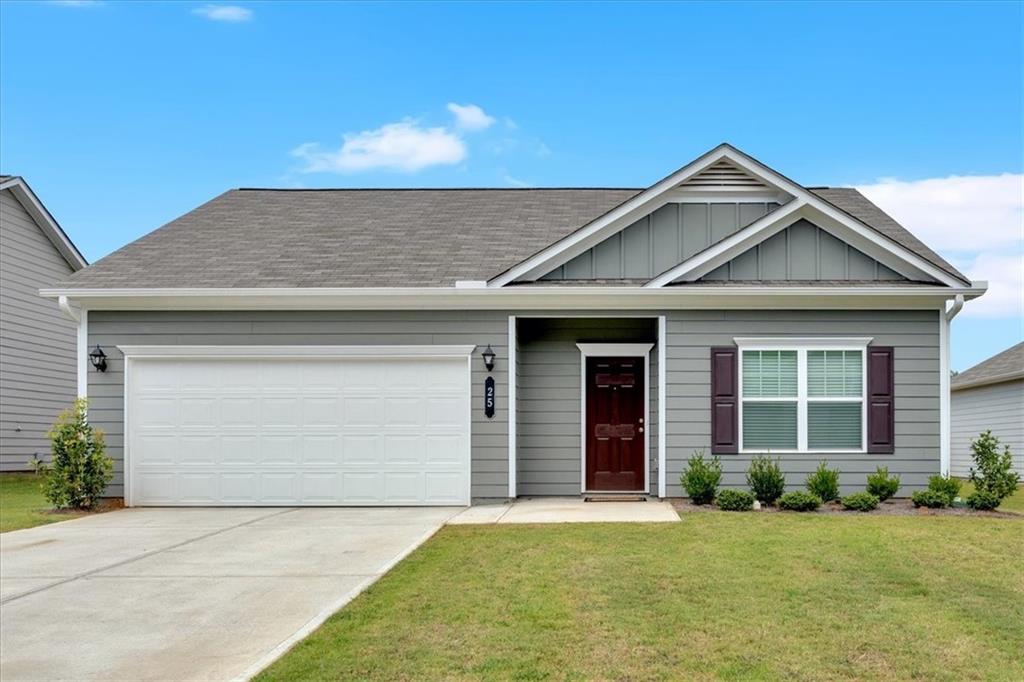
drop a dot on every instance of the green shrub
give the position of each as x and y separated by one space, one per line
735 500
799 501
982 500
993 472
864 502
943 485
80 470
824 483
930 499
766 479
701 478
881 485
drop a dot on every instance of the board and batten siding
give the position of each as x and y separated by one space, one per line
996 407
489 436
37 341
914 336
548 398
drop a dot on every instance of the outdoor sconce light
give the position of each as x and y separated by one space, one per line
488 356
98 359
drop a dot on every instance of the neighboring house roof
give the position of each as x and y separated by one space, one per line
266 238
46 222
1005 366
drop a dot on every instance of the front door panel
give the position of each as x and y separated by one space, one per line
615 424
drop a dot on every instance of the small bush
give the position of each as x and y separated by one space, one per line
80 470
735 500
930 499
701 478
766 479
983 501
824 483
943 485
881 485
864 502
798 501
993 471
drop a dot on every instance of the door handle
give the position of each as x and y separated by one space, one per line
641 429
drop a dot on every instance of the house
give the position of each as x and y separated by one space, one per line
989 396
37 341
438 346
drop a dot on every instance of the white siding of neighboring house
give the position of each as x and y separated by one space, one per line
996 407
37 342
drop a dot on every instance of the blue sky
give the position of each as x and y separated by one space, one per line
123 116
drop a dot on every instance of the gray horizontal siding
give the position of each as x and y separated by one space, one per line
914 334
659 241
548 398
802 251
999 408
37 342
489 437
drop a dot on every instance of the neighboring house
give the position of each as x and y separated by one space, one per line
314 347
989 397
37 341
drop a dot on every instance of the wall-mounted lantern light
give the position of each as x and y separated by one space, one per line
488 356
98 359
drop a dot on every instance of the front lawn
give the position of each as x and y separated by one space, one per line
715 596
1013 503
22 504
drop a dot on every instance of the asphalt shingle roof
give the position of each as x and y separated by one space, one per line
1006 366
378 238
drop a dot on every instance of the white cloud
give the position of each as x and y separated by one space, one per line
403 146
514 182
229 13
976 221
470 117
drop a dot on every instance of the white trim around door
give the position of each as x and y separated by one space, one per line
624 350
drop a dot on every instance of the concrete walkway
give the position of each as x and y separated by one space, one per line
567 510
187 594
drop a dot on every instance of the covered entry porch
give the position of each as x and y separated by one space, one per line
586 398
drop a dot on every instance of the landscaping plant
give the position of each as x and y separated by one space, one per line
766 479
701 478
930 498
799 501
824 482
735 500
944 485
863 502
80 470
982 500
881 485
992 472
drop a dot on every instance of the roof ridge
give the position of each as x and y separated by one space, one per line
435 189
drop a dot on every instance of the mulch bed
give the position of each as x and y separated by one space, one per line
898 507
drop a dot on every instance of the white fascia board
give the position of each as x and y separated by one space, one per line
511 299
311 351
46 222
618 218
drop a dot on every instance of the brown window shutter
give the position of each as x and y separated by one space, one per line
724 396
881 403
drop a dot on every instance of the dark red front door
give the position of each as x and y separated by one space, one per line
615 424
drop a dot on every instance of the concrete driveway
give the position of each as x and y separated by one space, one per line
187 594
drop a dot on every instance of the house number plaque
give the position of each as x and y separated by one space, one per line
489 397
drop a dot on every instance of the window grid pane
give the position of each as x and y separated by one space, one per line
834 373
834 425
769 425
769 374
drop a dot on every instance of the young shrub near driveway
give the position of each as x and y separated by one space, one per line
930 498
863 502
766 479
701 478
80 470
735 500
943 485
824 483
981 500
798 501
992 472
882 485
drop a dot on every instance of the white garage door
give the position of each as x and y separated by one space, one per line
297 430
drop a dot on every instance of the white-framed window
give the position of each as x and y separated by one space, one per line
802 394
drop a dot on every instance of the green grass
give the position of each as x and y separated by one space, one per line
1013 503
715 596
22 504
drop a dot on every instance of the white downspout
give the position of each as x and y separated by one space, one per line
945 318
81 317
